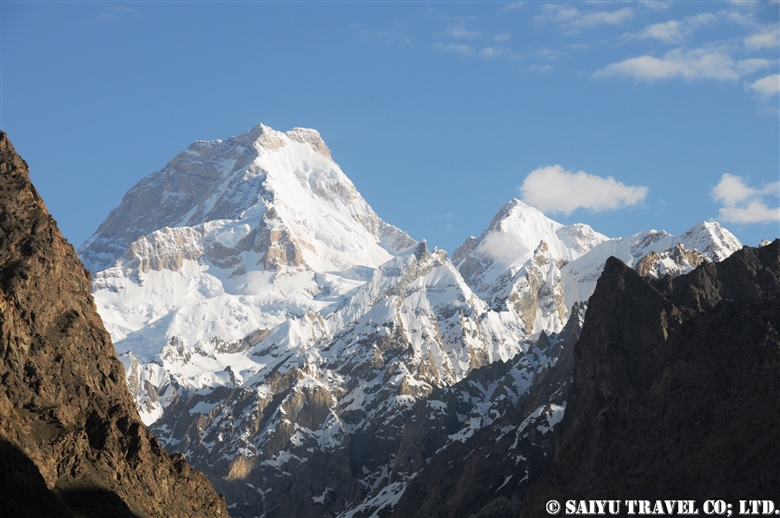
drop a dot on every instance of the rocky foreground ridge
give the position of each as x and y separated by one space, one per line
71 440
676 389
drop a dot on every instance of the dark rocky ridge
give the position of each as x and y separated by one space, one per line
676 392
71 440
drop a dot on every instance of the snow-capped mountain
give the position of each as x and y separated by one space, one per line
539 268
264 214
285 186
517 261
653 253
308 356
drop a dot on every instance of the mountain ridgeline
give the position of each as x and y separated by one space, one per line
71 440
314 360
676 392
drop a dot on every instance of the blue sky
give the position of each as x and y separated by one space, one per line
623 115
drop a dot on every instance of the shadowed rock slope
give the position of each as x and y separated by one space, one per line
71 441
676 391
489 473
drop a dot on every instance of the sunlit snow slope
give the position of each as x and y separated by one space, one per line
247 232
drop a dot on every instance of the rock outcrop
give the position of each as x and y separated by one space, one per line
488 473
71 440
676 391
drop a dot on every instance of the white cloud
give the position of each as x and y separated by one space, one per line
748 66
732 190
766 86
541 69
754 212
459 48
492 52
655 5
700 20
605 18
513 6
570 17
502 37
579 46
766 38
554 190
744 204
674 31
682 63
547 53
395 36
463 49
749 5
120 13
461 32
668 32
746 20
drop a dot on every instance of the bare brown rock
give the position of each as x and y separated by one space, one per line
71 440
164 249
682 260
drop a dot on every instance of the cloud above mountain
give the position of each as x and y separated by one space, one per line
569 17
766 86
553 190
745 204
712 63
674 31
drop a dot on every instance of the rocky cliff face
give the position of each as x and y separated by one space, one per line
488 473
71 440
676 392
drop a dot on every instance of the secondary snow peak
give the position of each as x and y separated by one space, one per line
490 262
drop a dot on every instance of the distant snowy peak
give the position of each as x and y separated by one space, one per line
538 268
510 241
515 264
651 252
285 185
712 240
674 261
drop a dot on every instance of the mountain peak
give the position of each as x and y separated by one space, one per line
518 210
265 136
262 137
711 239
514 234
421 251
233 182
311 137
